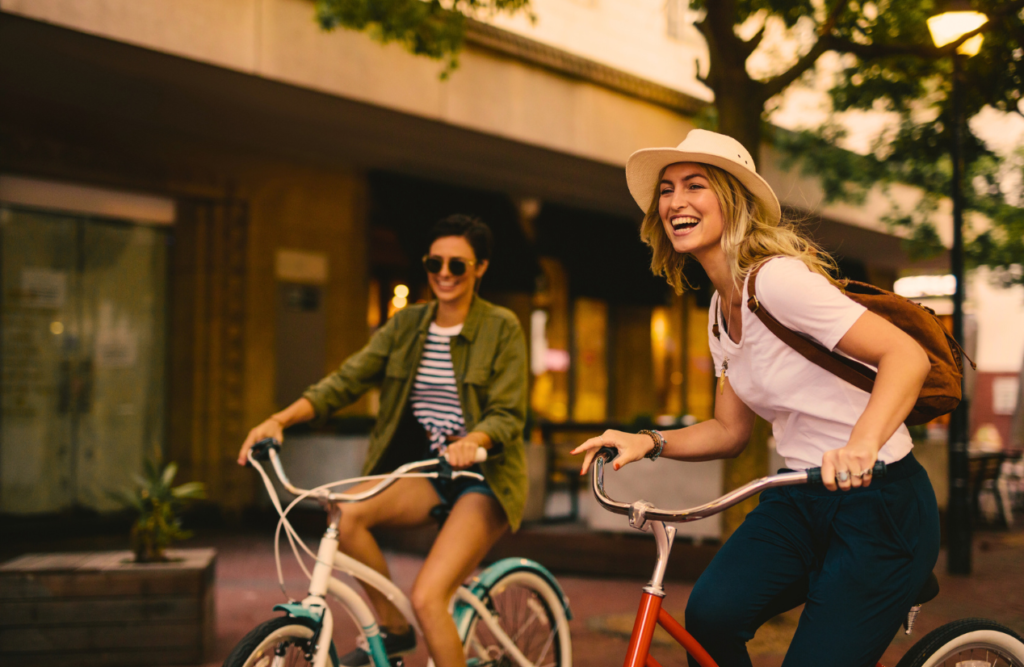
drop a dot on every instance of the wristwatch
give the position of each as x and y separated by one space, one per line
659 443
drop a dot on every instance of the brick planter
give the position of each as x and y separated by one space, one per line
96 609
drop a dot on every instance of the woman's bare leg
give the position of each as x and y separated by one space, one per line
474 525
405 504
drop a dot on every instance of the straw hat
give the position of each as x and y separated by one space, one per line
719 150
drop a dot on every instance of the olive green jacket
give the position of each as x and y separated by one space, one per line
489 358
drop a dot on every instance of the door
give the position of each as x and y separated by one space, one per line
83 318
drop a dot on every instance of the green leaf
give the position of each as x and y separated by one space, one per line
169 472
194 490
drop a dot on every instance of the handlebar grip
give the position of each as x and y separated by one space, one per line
814 474
607 453
479 457
261 450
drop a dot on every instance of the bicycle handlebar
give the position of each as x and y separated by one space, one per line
641 511
268 449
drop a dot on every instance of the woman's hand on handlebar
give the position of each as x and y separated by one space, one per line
271 428
631 447
855 458
461 453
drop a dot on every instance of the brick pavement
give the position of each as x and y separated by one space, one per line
604 607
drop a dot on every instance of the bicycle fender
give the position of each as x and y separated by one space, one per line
297 610
486 579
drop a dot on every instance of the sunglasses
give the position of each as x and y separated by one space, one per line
456 265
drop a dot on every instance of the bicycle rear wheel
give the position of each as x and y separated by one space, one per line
280 642
530 613
970 642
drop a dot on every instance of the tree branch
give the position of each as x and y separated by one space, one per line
874 51
777 84
696 70
751 44
830 42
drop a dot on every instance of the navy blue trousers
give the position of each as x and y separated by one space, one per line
857 559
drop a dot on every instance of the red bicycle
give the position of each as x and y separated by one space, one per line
969 642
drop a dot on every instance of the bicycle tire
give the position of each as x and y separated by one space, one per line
530 612
975 642
292 635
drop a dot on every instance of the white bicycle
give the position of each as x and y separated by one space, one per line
512 613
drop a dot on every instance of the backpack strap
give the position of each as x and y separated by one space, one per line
715 309
847 369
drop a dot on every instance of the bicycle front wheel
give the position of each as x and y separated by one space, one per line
530 613
280 642
970 642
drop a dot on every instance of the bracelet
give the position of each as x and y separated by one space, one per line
659 443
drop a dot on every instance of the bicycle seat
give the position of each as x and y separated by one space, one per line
929 590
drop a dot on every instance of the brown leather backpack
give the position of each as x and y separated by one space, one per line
941 391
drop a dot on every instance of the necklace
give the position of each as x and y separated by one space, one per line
728 329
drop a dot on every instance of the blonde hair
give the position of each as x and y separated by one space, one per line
749 236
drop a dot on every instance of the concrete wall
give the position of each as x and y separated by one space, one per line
315 211
491 94
631 35
279 40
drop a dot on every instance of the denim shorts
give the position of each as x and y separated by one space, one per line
450 490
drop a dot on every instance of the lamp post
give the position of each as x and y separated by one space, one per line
946 28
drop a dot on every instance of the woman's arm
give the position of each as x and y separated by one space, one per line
902 368
356 375
724 436
274 426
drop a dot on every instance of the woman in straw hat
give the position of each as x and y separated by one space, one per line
855 552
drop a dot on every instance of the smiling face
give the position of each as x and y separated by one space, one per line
447 287
690 212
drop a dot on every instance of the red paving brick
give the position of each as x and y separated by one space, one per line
247 589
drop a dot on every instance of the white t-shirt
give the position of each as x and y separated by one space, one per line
811 410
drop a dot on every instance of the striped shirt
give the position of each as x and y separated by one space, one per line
435 396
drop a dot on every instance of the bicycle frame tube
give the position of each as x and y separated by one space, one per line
366 574
648 617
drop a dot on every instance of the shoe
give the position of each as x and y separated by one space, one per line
395 645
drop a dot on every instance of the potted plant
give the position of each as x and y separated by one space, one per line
159 506
106 607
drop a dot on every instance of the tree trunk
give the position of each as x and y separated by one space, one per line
739 109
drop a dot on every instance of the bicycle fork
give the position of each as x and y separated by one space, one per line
650 615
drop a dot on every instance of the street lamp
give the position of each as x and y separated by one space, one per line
957 20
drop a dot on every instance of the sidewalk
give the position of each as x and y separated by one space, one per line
604 607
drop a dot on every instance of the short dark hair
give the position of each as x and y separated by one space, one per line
472 229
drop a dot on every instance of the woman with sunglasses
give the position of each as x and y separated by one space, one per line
856 552
452 375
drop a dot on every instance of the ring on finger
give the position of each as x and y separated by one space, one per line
843 476
864 473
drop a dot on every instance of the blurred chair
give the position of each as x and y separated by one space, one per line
988 475
559 439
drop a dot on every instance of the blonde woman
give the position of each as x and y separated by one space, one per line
855 552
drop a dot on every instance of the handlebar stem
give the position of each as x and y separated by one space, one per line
664 536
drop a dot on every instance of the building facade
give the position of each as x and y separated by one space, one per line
205 205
